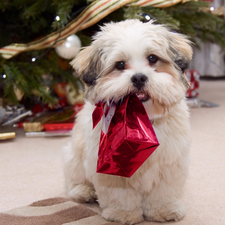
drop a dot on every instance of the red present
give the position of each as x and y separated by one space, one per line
193 77
127 138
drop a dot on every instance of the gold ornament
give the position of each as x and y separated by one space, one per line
19 94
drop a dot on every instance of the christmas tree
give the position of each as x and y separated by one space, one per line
33 53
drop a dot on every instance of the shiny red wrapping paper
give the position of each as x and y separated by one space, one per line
128 140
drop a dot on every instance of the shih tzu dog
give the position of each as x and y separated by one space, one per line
149 60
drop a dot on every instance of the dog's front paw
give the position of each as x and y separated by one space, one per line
170 212
121 216
82 193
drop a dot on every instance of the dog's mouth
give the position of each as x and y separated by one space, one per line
143 96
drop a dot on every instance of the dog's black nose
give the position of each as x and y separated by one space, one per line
139 80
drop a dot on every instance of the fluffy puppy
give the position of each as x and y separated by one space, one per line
147 59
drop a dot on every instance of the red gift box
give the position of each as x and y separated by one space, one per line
127 138
193 77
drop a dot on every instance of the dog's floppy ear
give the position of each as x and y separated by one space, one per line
182 53
87 65
181 49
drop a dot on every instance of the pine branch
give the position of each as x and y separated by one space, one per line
162 17
64 10
198 23
133 12
28 77
34 11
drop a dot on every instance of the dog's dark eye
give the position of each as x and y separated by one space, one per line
153 59
120 65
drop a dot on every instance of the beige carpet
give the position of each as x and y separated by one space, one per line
30 168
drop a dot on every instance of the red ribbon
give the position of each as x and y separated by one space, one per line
98 113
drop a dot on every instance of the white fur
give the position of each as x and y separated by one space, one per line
154 191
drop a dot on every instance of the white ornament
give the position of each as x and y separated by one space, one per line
69 48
